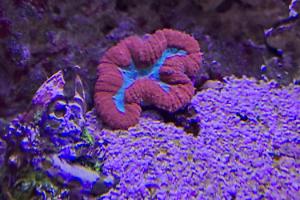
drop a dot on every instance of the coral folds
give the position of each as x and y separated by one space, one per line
156 69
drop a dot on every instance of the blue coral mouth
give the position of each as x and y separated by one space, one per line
132 73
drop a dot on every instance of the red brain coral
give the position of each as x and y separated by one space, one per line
156 69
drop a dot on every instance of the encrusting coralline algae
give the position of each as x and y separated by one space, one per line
248 147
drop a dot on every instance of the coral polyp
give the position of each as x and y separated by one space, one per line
156 69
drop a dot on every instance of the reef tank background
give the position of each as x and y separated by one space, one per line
237 138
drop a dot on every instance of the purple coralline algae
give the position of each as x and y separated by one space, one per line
2 152
248 148
52 139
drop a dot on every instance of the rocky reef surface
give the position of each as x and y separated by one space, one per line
40 37
238 138
246 145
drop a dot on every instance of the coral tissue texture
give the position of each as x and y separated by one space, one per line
247 148
156 69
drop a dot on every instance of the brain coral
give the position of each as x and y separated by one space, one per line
256 156
157 69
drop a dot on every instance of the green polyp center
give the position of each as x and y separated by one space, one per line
132 73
